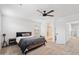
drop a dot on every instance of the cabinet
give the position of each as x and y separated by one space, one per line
12 41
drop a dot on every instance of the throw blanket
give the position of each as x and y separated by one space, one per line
26 42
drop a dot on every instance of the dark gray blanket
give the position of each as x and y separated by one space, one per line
26 42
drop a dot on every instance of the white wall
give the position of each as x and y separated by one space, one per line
11 25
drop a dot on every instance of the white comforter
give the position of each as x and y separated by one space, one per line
19 38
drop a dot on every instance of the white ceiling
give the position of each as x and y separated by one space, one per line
29 10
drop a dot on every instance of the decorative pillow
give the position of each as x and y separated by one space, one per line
25 34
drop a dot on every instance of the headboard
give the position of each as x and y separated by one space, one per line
20 34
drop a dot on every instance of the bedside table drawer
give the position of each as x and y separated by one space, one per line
12 41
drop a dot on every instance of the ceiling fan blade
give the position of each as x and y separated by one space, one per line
50 15
50 11
39 11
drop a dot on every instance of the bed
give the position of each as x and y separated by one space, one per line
28 42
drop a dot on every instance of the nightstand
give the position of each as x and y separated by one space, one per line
12 41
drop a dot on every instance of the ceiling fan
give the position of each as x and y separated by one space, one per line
45 13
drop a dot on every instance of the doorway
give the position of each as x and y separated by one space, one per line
50 31
75 30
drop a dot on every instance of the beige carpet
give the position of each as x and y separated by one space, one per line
70 48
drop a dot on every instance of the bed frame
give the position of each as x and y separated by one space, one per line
19 34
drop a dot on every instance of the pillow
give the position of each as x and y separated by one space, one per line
25 34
